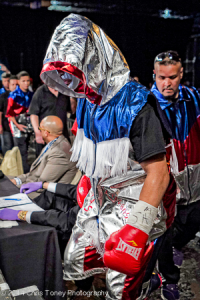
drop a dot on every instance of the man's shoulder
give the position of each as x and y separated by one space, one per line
39 92
14 94
137 89
2 90
189 90
61 145
150 105
4 95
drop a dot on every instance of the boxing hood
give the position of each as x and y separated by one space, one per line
83 62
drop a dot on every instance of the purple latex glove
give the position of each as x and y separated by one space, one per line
9 214
31 187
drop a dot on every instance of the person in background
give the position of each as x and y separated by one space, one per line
59 202
5 133
19 121
136 78
181 106
5 77
3 69
47 101
54 163
73 104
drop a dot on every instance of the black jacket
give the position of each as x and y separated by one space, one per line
60 211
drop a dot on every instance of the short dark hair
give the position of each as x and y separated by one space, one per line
5 75
169 57
13 77
22 73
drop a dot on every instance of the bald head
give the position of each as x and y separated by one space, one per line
52 124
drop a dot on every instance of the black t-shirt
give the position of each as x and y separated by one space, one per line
147 136
44 104
3 109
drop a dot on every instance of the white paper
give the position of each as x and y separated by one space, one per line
21 200
8 224
25 203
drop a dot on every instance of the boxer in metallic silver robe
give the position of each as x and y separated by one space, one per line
83 62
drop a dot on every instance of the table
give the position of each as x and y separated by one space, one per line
30 254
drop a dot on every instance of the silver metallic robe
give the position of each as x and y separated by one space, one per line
82 49
98 219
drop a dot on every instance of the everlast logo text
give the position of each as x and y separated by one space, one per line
133 251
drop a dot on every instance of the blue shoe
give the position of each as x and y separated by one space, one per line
170 292
177 257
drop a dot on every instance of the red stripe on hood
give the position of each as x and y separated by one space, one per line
82 88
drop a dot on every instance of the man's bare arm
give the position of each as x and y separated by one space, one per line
1 128
35 124
45 185
157 180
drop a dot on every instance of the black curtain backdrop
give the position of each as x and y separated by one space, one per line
25 35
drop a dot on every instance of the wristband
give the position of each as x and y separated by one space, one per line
18 181
43 183
22 215
142 216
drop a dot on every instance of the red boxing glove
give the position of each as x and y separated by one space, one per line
125 249
83 189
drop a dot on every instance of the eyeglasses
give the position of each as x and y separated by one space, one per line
172 55
40 129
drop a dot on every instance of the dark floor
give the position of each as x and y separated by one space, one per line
189 285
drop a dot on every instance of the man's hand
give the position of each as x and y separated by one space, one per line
4 68
124 250
22 127
1 129
9 214
13 181
31 187
45 185
38 137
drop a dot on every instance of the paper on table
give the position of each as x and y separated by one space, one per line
8 224
22 199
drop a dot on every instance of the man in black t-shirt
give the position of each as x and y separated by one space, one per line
5 133
47 101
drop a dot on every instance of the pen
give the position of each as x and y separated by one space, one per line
12 199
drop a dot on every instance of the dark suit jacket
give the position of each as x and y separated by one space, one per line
61 210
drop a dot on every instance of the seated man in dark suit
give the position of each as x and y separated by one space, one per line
59 202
